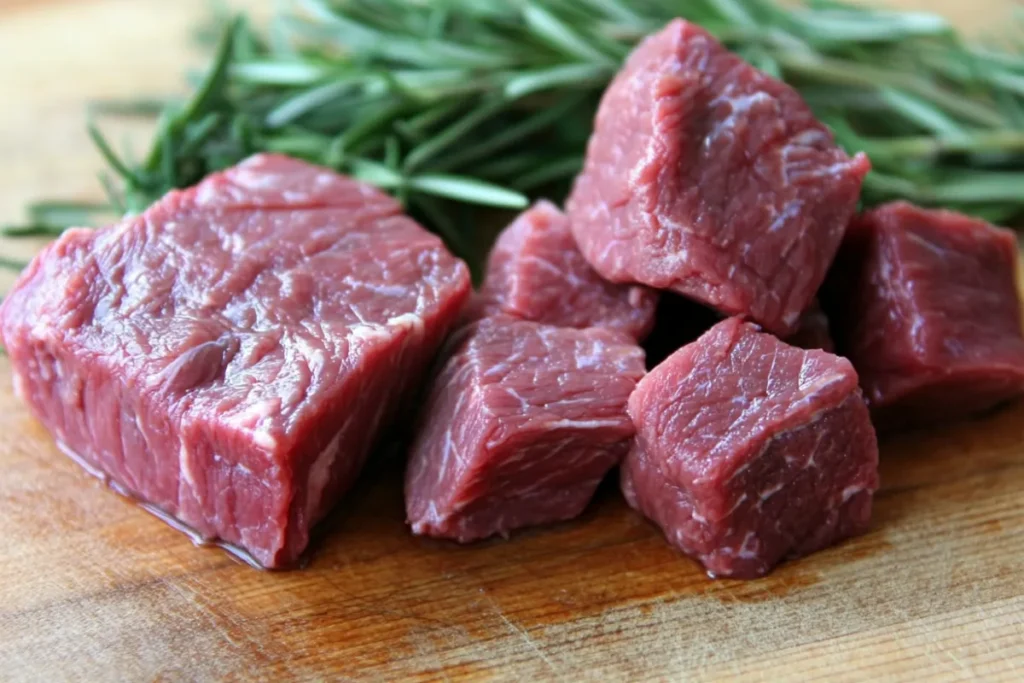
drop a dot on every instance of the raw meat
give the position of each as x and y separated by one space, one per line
813 331
230 355
925 303
523 422
710 178
749 451
535 272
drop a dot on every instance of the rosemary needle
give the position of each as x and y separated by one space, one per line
466 103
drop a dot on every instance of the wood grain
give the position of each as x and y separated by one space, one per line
92 588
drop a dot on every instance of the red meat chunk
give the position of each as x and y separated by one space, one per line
229 356
749 451
710 178
523 422
926 305
536 272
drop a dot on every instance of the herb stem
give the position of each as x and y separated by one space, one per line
928 147
466 103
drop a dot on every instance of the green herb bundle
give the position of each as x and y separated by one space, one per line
455 104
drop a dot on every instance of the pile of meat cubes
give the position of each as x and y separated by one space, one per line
709 183
232 355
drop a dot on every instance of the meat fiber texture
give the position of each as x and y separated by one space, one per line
229 356
749 451
536 272
522 423
926 305
712 179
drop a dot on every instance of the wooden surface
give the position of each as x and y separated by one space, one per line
92 588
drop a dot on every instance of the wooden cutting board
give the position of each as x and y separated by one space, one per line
93 588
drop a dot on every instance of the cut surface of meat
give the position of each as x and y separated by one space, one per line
536 272
925 304
708 177
522 423
749 451
229 356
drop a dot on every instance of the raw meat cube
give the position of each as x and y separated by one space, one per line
229 356
813 331
710 178
523 422
749 451
536 272
926 305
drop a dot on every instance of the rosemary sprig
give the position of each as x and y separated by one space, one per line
462 102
